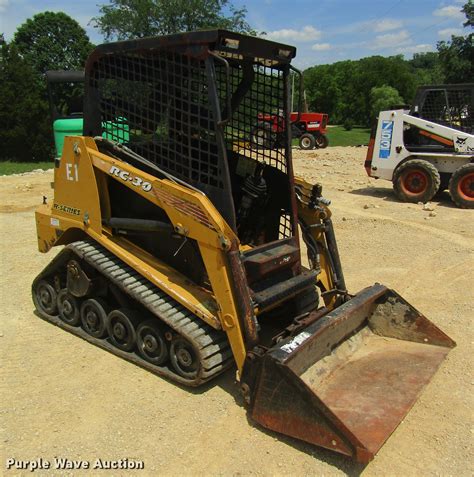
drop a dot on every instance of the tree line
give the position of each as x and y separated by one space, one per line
351 92
48 41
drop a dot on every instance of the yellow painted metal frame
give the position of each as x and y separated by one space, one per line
81 205
312 217
81 202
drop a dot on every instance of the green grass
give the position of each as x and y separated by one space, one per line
338 136
8 167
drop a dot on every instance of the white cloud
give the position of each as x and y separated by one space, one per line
387 24
390 40
423 47
450 11
4 5
321 47
306 33
447 32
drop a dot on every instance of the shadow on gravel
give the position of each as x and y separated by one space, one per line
341 462
441 199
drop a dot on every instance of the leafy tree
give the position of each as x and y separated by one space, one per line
457 55
126 19
343 89
426 61
24 132
457 59
383 98
468 10
46 41
427 68
52 40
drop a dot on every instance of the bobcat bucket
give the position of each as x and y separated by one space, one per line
348 379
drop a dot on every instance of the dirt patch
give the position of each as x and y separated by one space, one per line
63 397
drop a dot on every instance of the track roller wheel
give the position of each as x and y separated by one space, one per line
307 141
461 186
121 327
416 181
151 343
45 298
322 141
69 308
184 358
94 317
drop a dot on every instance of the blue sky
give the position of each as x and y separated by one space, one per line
324 31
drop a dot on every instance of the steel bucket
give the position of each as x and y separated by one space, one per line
346 381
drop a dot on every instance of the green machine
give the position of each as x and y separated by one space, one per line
66 102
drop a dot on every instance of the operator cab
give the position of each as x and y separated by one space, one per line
188 104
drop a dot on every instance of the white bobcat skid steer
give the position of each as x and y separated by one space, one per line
429 148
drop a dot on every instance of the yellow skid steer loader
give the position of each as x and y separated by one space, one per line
183 246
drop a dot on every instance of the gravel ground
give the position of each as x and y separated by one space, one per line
62 397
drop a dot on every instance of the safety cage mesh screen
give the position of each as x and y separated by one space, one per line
256 129
285 229
449 107
256 125
157 103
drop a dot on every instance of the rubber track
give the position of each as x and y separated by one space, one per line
212 345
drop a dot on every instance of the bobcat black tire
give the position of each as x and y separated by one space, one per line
461 186
416 180
211 345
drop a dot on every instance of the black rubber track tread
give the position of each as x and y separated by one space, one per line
212 345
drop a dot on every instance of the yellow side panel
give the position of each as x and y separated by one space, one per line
45 229
195 299
75 188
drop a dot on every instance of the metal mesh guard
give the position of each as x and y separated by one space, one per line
158 103
263 97
449 107
161 103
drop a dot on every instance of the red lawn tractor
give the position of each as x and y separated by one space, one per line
310 128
